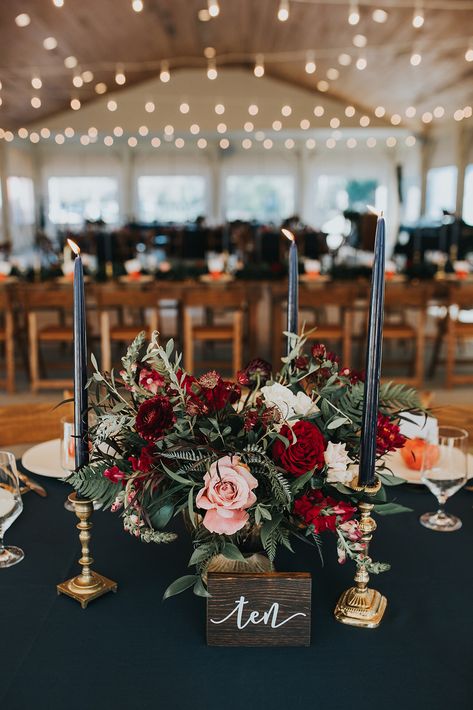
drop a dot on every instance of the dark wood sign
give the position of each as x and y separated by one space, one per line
270 609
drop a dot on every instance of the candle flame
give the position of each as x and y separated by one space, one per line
374 211
74 247
289 235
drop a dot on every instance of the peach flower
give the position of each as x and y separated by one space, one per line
227 493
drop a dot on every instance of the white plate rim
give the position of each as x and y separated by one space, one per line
49 448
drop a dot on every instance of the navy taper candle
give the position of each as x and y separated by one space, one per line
367 473
80 364
293 287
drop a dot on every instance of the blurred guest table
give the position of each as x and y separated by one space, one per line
131 649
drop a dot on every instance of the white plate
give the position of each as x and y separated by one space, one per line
396 464
45 459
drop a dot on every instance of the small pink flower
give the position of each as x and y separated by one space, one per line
151 380
227 493
351 530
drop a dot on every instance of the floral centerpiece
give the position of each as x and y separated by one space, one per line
268 457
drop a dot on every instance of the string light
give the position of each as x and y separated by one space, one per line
36 82
305 124
361 63
277 125
310 65
132 142
69 132
92 132
219 109
258 71
344 59
391 142
149 106
224 143
283 12
100 88
353 13
379 16
410 141
202 143
418 16
75 104
246 143
253 109
36 102
210 52
286 110
222 128
77 81
112 105
168 130
155 142
396 119
334 122
118 131
352 143
164 74
371 142
34 137
415 59
458 115
350 111
108 140
267 143
379 111
179 143
332 74
213 8
427 117
22 20
45 133
184 107
204 15
70 62
212 70
310 143
87 76
137 5
50 43
469 52
330 143
360 41
323 85
120 77
143 131
410 111
289 143
248 127
319 111
58 3
195 129
22 133
439 112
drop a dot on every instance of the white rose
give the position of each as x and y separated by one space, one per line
338 462
304 405
277 395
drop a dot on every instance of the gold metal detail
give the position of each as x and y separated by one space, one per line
88 585
359 605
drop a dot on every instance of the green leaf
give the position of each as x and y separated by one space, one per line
300 481
180 585
391 509
390 479
200 590
190 506
200 553
176 476
231 552
161 517
339 421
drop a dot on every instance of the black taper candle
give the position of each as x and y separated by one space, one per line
293 288
367 473
80 364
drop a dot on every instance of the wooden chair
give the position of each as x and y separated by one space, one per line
216 300
320 299
49 316
401 300
7 338
140 300
31 423
458 330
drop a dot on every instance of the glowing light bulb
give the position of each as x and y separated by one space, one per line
350 111
310 65
149 106
379 16
253 109
212 70
22 20
184 107
213 8
137 5
283 12
344 59
289 143
36 102
112 105
361 63
70 62
100 88
164 74
258 71
418 18
120 77
353 14
415 59
50 43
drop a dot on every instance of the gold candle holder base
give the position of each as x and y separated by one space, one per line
88 585
361 606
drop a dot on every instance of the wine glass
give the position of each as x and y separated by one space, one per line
11 506
444 471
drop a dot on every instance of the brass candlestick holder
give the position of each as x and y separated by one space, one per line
359 605
88 585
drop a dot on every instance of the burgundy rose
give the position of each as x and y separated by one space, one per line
305 453
114 474
301 362
155 416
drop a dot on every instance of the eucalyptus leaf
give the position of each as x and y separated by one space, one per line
162 516
231 552
339 421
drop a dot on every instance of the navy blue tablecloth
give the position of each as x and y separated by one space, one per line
131 650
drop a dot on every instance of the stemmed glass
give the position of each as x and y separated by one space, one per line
444 471
11 506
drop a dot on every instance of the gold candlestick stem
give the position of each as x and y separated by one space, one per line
88 585
360 605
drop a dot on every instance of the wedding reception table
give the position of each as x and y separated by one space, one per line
132 650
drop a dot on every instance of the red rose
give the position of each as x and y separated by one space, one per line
306 453
155 416
322 512
114 474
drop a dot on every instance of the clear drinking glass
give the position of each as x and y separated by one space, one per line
11 506
444 472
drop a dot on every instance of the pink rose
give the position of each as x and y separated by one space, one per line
227 492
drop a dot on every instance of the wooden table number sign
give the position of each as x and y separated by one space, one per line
259 609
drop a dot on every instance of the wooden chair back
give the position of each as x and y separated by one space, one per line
334 294
46 296
139 296
461 294
407 295
218 296
32 423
